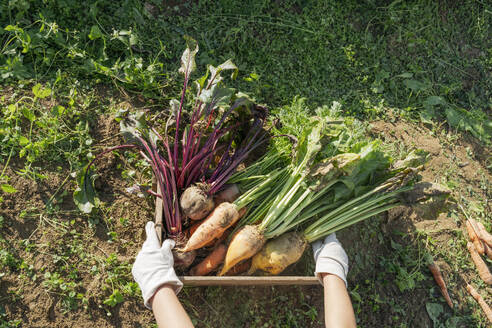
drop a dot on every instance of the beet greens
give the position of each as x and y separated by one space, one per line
200 146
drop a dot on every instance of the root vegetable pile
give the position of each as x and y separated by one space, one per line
231 209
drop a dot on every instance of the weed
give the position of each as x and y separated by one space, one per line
5 322
61 72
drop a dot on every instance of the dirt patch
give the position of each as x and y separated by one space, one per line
461 166
99 249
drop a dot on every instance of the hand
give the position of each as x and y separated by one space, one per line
330 258
153 266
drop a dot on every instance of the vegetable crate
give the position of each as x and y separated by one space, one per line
229 280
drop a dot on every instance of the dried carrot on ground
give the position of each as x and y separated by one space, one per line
211 262
483 270
488 251
485 307
436 273
473 233
484 235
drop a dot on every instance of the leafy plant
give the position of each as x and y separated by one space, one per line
114 299
188 157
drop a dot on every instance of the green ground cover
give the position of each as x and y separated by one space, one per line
67 67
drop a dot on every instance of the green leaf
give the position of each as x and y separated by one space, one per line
309 145
40 92
428 114
331 168
132 127
434 310
58 110
406 75
415 85
133 39
461 119
95 33
8 188
12 28
114 299
455 322
23 141
414 159
215 71
188 64
433 101
218 95
85 196
28 114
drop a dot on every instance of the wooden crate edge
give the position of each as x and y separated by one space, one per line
248 281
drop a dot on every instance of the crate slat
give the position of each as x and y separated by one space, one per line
248 281
158 210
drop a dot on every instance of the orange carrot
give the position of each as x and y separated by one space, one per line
191 230
485 307
436 273
474 236
488 251
484 235
239 268
221 218
483 270
211 262
224 235
230 229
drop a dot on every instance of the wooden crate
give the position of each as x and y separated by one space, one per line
228 280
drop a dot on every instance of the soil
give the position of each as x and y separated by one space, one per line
463 160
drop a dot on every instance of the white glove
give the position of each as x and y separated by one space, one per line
330 258
153 266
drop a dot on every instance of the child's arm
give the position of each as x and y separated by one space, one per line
168 311
154 273
331 270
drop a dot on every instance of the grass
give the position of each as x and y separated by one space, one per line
67 67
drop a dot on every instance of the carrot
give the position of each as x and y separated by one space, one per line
485 307
230 229
474 236
245 243
211 262
483 270
484 235
222 217
239 268
191 230
436 273
488 251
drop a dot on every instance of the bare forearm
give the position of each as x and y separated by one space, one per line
168 311
339 312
